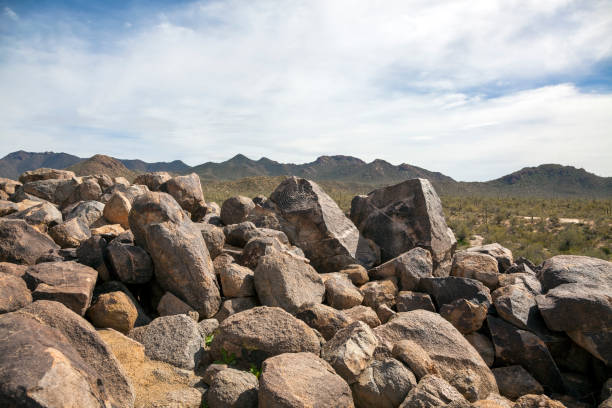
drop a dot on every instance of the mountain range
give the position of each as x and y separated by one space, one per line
547 180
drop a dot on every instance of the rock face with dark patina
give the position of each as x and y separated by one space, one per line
328 238
23 244
404 216
180 256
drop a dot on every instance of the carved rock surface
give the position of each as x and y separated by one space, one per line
21 243
328 238
401 217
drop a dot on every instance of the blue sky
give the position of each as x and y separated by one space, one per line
474 89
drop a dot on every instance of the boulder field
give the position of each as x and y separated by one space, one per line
120 295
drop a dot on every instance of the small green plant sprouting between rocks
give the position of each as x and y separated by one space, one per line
209 339
227 359
255 371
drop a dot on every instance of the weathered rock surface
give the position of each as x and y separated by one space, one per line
113 310
89 211
71 233
340 292
117 209
518 306
233 388
384 383
41 216
214 238
181 259
156 384
363 313
110 375
283 280
350 350
476 265
408 268
131 264
328 238
514 382
14 293
235 305
537 401
527 280
301 380
407 301
432 391
415 357
356 273
263 332
187 191
171 305
484 347
447 290
152 180
21 243
503 255
69 283
237 281
376 293
404 216
327 320
580 287
465 315
514 346
458 362
173 339
45 174
235 210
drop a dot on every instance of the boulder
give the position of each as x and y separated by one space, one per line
514 346
518 306
385 313
69 283
214 238
404 216
8 186
7 207
350 350
40 368
91 251
447 290
14 293
514 382
115 286
376 293
465 315
187 191
41 216
45 174
407 301
90 347
476 265
503 255
22 244
233 388
262 332
13 269
110 231
173 339
580 287
283 280
131 264
171 305
237 281
483 346
236 209
408 268
527 280
457 361
325 319
258 247
89 211
156 384
340 292
363 313
328 238
356 273
207 327
384 383
180 257
152 180
235 305
71 233
113 310
301 380
432 391
117 209
415 357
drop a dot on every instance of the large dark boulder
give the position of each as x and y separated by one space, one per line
328 238
404 216
41 216
181 259
14 293
23 244
69 283
187 191
577 300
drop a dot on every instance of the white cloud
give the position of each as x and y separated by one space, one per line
10 14
292 80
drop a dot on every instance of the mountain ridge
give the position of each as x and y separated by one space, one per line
546 180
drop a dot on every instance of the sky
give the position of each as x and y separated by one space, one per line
474 89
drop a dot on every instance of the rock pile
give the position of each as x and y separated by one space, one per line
144 295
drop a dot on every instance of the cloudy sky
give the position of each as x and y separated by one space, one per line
474 89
